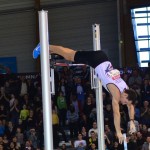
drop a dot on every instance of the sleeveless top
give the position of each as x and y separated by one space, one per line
108 75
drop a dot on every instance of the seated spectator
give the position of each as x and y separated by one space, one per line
145 89
16 144
80 144
93 116
93 139
5 142
137 111
108 115
135 80
145 113
87 108
12 146
107 141
83 121
132 144
63 147
10 130
32 137
84 133
94 128
28 145
20 137
74 102
72 118
144 131
93 147
31 121
109 135
80 93
27 101
146 145
140 140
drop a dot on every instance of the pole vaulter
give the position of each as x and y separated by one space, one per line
104 71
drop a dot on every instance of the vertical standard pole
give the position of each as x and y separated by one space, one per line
99 99
45 74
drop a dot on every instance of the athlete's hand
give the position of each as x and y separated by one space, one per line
120 137
132 127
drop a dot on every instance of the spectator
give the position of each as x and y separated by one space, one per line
145 89
72 118
23 86
5 142
144 131
20 137
24 113
3 112
12 146
80 93
107 141
146 145
4 100
93 115
28 145
135 80
93 139
27 101
14 110
108 115
10 130
74 102
145 113
87 108
140 140
84 133
109 134
32 137
62 108
80 144
94 128
93 147
57 128
132 144
31 121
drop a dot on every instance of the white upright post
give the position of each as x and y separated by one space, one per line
45 74
98 87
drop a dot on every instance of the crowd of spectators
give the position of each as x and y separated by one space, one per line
73 109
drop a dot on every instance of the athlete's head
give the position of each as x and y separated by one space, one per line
129 96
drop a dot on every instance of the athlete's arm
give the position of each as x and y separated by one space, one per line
116 109
131 116
116 114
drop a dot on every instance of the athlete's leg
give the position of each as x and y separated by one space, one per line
91 58
67 53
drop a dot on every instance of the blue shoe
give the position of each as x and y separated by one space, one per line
36 51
